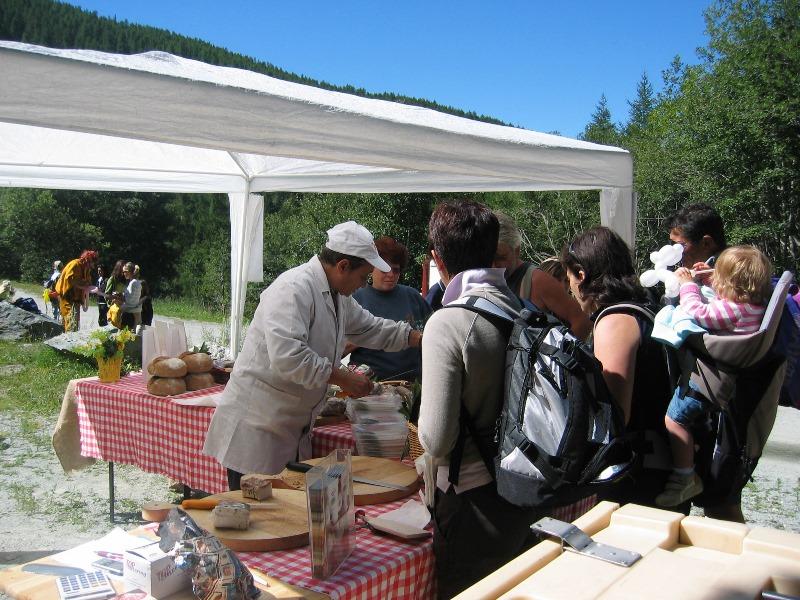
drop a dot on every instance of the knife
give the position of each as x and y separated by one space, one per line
211 503
303 468
48 569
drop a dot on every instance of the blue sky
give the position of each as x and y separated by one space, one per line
536 64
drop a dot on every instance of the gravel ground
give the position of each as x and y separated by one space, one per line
48 510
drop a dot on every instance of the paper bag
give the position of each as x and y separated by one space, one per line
149 349
176 341
165 338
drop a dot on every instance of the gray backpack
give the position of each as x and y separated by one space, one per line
559 436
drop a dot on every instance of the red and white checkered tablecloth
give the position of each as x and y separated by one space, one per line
325 440
379 567
121 422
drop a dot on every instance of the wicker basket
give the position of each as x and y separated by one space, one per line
414 447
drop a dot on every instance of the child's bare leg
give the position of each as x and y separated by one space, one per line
683 483
681 442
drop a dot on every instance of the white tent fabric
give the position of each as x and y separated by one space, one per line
83 119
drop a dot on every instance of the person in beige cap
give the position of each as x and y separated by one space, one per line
292 352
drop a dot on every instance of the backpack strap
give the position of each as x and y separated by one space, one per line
679 366
525 286
465 425
685 358
503 321
625 308
539 459
482 306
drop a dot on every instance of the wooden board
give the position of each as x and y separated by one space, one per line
279 529
380 469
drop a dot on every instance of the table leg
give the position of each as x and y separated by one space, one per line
111 491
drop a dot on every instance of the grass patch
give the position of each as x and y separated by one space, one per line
22 495
181 308
39 387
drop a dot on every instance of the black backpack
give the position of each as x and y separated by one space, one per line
28 304
560 436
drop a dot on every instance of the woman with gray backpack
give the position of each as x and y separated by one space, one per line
476 530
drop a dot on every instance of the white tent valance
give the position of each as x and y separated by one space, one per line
81 119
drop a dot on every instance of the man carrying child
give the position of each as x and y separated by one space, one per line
741 283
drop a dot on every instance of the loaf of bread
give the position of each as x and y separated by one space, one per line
197 362
231 515
166 386
161 366
256 486
199 381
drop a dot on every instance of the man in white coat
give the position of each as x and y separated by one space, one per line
292 352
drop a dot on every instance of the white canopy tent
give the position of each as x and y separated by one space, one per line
80 119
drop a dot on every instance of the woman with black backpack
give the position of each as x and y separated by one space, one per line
635 367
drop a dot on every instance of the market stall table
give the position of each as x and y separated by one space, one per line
122 422
379 567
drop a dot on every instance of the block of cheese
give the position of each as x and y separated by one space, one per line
231 515
256 486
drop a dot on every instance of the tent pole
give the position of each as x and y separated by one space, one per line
618 212
238 282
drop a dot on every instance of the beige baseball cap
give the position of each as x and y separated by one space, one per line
355 240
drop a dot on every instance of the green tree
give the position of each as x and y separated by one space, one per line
641 107
672 77
34 231
601 128
753 80
727 132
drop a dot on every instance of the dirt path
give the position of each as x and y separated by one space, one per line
197 332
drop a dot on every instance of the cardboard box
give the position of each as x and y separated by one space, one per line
153 571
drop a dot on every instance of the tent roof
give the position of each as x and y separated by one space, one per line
83 119
80 119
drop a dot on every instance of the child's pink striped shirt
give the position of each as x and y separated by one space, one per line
719 315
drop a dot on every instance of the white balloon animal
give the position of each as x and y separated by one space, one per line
667 256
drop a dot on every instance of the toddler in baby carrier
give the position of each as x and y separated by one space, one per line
741 376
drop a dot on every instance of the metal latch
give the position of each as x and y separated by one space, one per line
578 541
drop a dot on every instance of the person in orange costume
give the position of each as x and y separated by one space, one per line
73 287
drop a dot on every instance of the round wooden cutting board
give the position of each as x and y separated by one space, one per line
283 526
380 469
